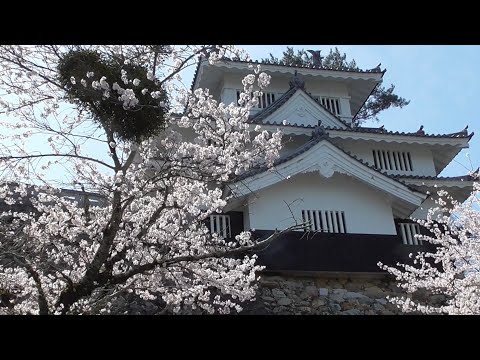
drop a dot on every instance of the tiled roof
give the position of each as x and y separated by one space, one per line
419 133
318 135
295 125
282 100
441 178
381 130
374 70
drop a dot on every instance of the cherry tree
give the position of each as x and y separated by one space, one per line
453 268
151 161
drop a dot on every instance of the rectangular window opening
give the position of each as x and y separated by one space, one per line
392 160
220 225
408 231
332 221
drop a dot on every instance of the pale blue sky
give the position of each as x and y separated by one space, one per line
441 82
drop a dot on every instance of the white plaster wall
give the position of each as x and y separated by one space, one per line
327 88
366 211
279 85
422 157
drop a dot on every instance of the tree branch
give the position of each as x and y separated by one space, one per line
117 279
24 157
42 299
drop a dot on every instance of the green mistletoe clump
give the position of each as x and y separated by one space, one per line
81 73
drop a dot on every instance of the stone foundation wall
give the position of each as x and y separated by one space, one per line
289 295
313 295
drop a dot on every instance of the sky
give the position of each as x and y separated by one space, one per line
441 82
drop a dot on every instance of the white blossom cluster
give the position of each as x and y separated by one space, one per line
137 225
453 268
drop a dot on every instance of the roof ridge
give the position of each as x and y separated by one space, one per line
202 59
368 71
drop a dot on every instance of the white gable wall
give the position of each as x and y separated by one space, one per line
366 211
422 157
300 109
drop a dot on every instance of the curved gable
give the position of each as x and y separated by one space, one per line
302 110
327 159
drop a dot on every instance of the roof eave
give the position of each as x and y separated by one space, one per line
389 184
446 139
366 74
368 97
349 133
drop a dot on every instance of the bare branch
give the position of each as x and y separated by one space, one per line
25 157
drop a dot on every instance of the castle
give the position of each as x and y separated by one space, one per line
358 187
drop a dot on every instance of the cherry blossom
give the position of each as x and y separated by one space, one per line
452 267
136 223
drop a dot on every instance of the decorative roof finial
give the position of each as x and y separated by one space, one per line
318 131
464 131
296 82
316 58
376 68
420 131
